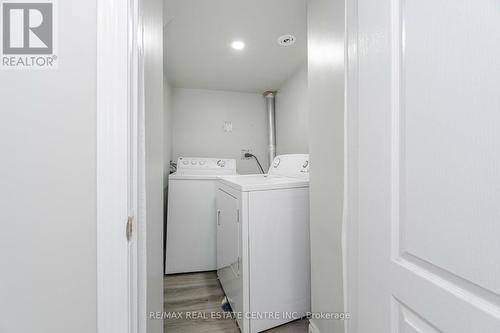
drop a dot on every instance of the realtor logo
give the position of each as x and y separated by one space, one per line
28 32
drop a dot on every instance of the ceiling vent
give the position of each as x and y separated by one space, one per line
287 40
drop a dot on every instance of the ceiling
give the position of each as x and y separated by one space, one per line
198 36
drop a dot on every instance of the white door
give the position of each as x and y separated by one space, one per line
425 151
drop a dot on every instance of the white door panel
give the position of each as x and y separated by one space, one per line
428 171
408 321
227 231
449 136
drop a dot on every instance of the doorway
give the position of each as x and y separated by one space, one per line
220 57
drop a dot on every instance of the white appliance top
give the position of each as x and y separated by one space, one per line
201 168
287 171
247 183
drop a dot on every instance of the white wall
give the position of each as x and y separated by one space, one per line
326 145
198 126
48 189
154 111
292 117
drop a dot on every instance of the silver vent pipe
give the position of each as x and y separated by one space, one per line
271 123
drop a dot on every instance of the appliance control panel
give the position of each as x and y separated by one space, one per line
290 165
202 165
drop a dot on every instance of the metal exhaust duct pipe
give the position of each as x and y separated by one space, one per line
271 123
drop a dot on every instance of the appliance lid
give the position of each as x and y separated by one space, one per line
247 183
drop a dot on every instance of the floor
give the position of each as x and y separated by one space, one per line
200 294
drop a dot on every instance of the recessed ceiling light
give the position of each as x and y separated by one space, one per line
286 40
238 45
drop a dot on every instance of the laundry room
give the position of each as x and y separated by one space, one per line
235 98
236 166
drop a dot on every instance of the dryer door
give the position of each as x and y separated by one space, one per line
227 230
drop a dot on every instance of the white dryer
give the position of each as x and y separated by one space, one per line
263 252
191 215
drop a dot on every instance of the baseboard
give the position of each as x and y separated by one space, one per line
313 328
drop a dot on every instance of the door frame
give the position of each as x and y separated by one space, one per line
120 104
350 222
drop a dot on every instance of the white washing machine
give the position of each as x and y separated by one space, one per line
191 215
263 252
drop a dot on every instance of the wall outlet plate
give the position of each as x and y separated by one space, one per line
244 151
228 126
